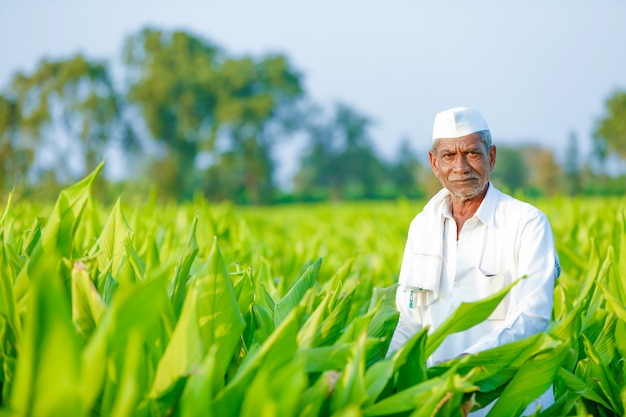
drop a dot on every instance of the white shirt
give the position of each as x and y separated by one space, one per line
504 240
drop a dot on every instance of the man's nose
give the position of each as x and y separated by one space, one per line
460 163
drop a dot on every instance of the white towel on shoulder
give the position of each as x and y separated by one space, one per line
423 257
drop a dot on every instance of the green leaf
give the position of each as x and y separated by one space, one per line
200 389
603 378
278 350
135 312
302 284
87 305
410 360
210 316
110 246
377 377
580 387
132 268
183 268
466 315
57 234
331 328
493 367
425 398
8 305
129 390
50 352
614 304
309 330
333 357
266 394
532 380
350 389
315 397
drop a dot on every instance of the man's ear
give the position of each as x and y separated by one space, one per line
433 163
492 157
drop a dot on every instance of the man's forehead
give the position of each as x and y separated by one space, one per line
472 140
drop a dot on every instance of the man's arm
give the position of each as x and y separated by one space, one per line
410 321
531 300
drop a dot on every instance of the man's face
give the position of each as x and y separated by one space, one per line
463 165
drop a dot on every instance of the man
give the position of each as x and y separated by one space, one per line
470 241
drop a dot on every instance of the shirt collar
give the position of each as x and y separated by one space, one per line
486 211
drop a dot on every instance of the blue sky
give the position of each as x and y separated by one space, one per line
537 70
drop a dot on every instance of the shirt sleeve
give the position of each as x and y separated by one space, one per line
410 320
531 299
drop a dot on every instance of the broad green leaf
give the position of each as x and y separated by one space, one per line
31 238
8 305
314 398
384 320
200 389
614 304
50 352
410 360
604 380
266 395
132 268
264 325
110 246
489 367
377 377
466 315
340 275
210 316
605 345
57 234
87 305
568 326
620 339
183 268
277 351
425 397
135 311
244 292
532 380
333 357
302 284
580 387
129 390
350 388
310 328
220 320
331 328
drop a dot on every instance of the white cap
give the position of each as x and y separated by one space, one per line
457 122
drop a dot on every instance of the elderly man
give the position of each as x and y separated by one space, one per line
470 241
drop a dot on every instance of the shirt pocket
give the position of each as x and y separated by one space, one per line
489 283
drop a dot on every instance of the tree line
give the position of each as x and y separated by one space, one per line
188 118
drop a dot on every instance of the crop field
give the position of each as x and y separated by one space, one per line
201 309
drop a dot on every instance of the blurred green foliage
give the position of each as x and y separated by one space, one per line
186 117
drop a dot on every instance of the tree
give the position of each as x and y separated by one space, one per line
72 102
197 100
571 167
405 171
15 157
511 171
340 159
610 131
545 176
258 115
